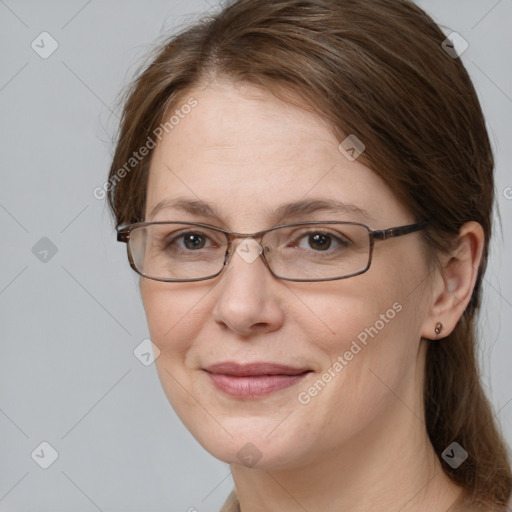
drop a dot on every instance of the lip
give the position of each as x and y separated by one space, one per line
253 380
253 369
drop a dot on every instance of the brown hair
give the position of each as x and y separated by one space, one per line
376 69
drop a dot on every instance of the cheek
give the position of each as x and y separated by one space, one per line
371 348
357 310
364 364
173 316
367 323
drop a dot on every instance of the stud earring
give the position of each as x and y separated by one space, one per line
438 328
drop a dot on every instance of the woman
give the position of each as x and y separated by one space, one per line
306 189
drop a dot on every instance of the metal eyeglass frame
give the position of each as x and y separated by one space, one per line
123 235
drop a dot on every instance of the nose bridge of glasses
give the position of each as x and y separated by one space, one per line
247 246
237 240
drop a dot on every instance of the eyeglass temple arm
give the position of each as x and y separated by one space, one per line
384 234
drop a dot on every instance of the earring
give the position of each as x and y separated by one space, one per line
438 328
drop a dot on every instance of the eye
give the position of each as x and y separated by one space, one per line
190 240
321 241
194 240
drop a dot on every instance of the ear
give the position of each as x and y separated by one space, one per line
454 282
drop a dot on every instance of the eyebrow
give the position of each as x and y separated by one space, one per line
283 211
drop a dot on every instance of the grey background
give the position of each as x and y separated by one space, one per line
69 325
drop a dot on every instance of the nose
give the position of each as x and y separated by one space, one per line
248 300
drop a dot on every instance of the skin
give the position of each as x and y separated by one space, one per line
361 443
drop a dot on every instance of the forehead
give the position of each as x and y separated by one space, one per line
246 153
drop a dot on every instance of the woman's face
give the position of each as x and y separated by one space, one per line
246 153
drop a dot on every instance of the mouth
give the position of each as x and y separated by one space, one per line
253 380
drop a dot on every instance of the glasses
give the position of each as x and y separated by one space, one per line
306 251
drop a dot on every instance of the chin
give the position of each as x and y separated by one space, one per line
247 445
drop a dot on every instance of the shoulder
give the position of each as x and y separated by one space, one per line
231 504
